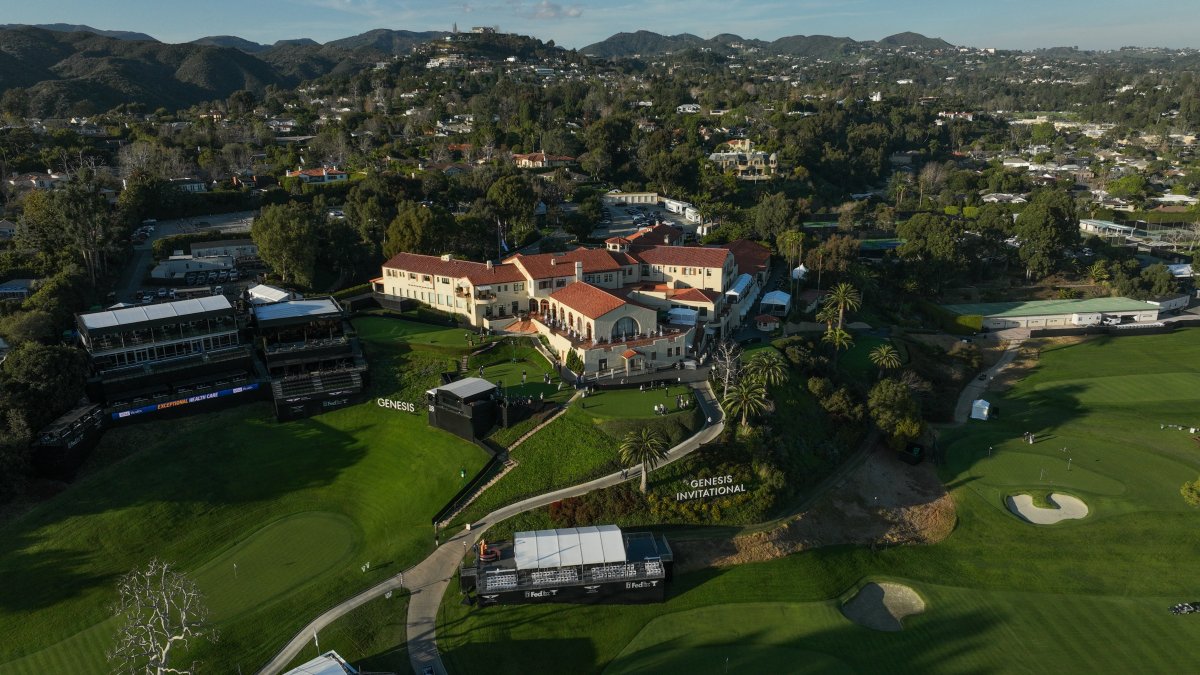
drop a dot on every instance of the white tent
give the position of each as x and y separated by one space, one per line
776 303
800 272
682 316
980 409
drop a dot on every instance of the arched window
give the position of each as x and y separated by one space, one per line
625 326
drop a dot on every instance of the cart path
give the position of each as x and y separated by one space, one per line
976 387
428 580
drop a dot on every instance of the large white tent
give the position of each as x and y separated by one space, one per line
776 303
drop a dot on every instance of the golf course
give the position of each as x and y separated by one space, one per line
1086 594
274 521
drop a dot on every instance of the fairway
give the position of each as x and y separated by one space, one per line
299 506
1088 595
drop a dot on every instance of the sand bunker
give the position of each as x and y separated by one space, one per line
882 606
1069 508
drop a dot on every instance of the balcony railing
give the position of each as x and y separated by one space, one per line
583 340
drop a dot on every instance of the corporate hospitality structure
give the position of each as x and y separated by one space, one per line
640 303
579 565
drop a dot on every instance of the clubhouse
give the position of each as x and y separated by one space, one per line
640 303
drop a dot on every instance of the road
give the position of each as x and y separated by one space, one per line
428 580
975 389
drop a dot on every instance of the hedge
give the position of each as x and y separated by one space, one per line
352 291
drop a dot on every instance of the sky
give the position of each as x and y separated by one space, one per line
1003 24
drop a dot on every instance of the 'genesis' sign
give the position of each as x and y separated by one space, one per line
402 406
704 488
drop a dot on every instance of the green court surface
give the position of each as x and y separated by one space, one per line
1082 596
300 507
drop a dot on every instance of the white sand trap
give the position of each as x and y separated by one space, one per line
1069 508
882 606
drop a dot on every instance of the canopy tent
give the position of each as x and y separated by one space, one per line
551 549
980 409
682 316
776 303
741 287
800 272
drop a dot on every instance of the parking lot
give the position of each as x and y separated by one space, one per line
626 220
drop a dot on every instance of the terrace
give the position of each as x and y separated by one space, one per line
556 327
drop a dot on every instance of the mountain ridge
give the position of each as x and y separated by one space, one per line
649 43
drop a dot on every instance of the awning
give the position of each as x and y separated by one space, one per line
682 316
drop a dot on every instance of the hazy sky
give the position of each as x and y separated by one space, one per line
1013 24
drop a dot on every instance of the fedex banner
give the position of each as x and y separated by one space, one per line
155 407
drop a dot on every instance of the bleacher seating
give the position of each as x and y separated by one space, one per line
561 576
499 582
606 572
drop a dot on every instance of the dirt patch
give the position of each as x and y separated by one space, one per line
883 606
883 502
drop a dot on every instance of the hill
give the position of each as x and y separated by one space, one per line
387 41
64 73
648 43
79 28
231 41
915 41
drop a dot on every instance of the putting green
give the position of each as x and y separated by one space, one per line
275 560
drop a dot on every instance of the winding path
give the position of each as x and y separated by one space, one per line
428 580
976 387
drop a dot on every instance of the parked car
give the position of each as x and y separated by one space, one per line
212 277
162 292
234 275
138 296
171 293
223 276
219 290
147 299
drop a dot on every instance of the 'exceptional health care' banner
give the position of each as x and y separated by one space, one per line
155 407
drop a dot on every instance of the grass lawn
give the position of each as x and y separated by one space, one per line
371 637
1083 596
582 444
298 507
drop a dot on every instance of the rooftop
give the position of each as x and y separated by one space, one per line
296 309
166 310
466 387
1050 307
588 300
551 549
685 256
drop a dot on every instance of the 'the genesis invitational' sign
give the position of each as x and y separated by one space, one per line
402 406
704 488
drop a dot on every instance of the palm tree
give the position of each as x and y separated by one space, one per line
647 447
839 339
768 367
748 397
827 315
885 357
1098 272
844 297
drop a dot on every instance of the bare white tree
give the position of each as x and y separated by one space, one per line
727 365
163 612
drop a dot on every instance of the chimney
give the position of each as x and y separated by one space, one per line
578 270
489 265
445 257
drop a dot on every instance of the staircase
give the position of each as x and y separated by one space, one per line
462 363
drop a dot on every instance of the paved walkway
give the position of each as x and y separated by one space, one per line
976 387
428 580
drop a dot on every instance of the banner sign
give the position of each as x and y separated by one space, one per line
402 406
155 407
705 488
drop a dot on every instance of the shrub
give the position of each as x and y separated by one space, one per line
1191 492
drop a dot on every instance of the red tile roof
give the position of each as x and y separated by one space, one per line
588 300
476 273
751 257
549 265
629 353
316 172
685 256
696 295
616 240
657 235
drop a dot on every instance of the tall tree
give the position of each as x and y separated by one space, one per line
513 201
885 357
288 239
747 397
846 298
1047 229
727 364
647 447
162 613
417 228
768 366
839 339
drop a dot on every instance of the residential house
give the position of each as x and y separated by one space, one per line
39 181
541 160
323 175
